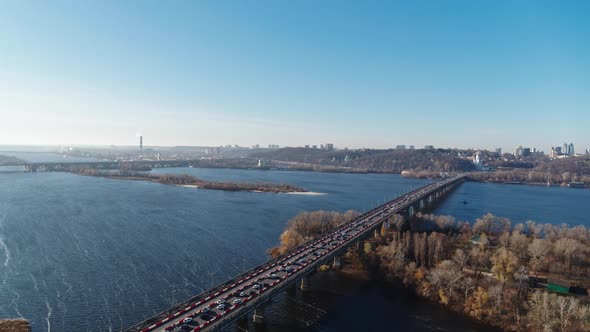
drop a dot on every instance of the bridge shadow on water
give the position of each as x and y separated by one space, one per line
338 302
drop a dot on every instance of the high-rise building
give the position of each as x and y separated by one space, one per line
412 147
518 151
329 146
499 151
141 142
428 147
526 152
555 151
570 149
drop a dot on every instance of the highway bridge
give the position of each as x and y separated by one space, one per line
245 294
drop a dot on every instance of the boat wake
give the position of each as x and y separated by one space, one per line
3 245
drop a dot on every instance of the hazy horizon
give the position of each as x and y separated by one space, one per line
372 74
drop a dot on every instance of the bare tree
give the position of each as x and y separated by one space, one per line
541 316
519 244
460 258
447 277
538 250
567 248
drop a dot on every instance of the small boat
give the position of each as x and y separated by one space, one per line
465 202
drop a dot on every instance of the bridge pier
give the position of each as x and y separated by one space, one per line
411 211
305 284
258 316
337 262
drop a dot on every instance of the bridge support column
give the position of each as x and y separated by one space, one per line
376 233
305 283
258 317
337 262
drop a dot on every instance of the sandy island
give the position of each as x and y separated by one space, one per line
308 193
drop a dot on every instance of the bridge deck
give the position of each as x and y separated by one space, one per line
240 296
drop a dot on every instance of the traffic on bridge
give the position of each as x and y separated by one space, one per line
242 295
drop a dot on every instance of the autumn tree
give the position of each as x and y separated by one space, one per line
504 263
476 304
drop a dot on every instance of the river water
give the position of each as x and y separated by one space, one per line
91 254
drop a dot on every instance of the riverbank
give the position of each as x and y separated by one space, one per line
509 277
15 325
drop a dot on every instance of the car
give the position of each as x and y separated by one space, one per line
256 286
252 293
186 327
281 269
288 269
187 320
205 310
274 276
220 301
221 307
237 301
242 294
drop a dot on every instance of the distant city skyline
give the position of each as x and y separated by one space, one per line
371 74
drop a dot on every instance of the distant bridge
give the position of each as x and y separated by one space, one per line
245 294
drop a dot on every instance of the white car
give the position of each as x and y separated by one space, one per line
237 301
221 301
221 307
187 320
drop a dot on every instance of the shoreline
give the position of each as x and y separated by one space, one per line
187 181
304 193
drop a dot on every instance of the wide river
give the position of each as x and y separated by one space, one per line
91 254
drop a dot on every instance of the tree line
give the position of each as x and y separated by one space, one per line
486 271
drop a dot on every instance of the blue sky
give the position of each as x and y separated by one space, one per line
357 74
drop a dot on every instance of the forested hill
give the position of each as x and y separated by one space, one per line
389 161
